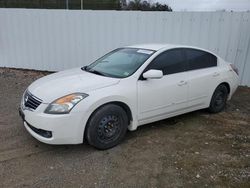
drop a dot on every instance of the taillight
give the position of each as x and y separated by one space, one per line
234 69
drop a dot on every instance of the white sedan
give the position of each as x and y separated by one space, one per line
124 89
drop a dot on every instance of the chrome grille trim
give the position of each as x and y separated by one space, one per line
30 101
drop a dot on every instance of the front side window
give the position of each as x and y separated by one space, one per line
169 62
120 63
198 59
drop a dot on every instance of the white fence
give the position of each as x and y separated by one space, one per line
61 39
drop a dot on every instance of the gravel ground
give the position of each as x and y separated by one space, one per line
197 149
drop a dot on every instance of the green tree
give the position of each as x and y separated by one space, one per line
102 4
86 4
146 6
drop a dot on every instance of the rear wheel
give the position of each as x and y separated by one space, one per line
219 99
107 127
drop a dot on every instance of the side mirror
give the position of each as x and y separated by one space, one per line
153 74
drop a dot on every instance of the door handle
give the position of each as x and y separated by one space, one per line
216 74
181 83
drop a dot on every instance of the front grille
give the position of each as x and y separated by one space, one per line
30 101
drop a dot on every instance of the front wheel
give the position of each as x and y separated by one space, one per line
107 127
219 99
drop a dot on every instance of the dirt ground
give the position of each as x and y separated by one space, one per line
192 150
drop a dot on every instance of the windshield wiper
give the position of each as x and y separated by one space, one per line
93 71
84 68
96 72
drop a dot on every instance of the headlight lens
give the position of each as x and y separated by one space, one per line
65 104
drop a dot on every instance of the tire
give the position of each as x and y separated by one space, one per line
219 99
107 127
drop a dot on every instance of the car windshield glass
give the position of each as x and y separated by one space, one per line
120 63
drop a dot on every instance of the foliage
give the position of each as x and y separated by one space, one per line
86 4
146 6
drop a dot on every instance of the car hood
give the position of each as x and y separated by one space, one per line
54 86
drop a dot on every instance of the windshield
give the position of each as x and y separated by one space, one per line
120 63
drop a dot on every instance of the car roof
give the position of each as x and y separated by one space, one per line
159 46
155 46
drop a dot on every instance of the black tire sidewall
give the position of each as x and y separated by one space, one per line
213 108
92 126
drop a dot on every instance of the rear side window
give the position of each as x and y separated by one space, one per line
198 59
170 62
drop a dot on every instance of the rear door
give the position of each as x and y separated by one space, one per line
203 75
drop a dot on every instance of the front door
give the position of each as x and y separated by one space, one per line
159 97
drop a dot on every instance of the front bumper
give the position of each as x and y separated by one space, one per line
54 129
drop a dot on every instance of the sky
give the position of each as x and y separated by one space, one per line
207 5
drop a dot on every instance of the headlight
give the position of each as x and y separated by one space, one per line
65 104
